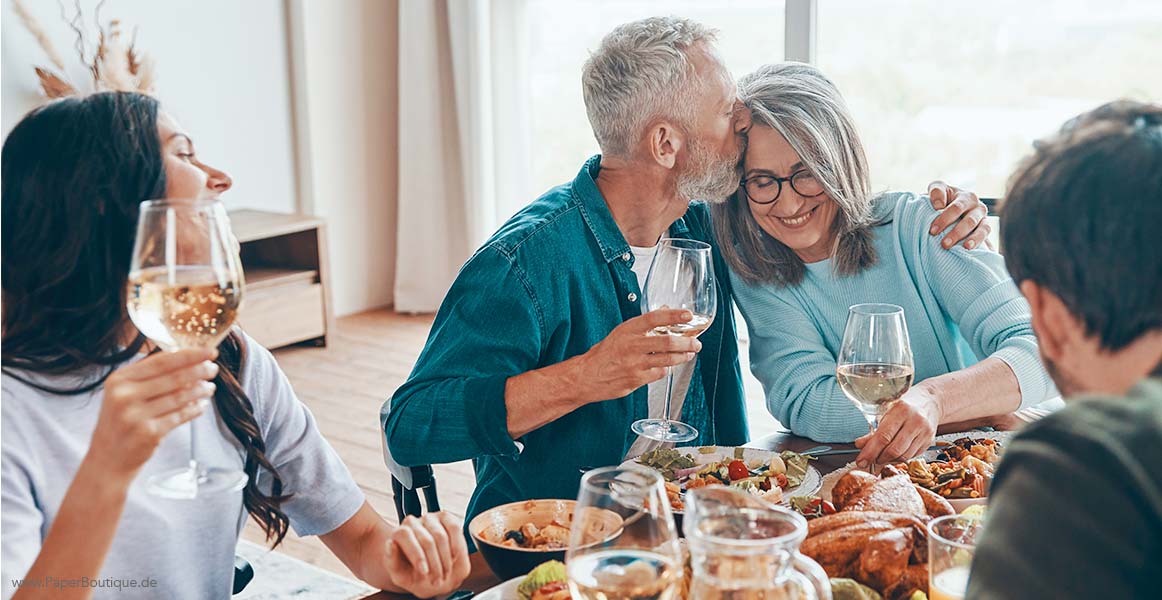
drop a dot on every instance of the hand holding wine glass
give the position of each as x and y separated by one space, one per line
875 367
681 276
906 431
144 401
632 355
185 289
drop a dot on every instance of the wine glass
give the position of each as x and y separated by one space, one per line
681 276
875 360
185 288
623 542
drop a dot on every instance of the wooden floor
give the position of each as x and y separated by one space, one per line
368 356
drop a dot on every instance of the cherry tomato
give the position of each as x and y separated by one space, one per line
781 479
737 470
828 508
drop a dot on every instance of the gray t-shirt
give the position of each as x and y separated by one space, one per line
174 548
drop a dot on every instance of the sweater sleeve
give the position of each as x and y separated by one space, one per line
789 357
974 289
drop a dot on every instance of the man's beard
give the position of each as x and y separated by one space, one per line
708 176
1066 385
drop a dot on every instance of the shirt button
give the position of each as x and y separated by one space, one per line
632 297
625 256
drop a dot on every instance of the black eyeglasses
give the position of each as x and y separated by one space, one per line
765 189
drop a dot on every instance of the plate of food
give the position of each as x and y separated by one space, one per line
962 467
513 538
773 476
548 581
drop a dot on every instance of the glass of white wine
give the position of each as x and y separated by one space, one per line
875 367
642 560
185 289
681 276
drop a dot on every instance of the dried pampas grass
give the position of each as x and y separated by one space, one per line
115 66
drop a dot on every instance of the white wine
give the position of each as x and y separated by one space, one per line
874 386
693 328
192 309
624 574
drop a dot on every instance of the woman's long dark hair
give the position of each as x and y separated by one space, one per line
74 174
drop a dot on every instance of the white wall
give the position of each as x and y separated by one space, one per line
349 86
222 68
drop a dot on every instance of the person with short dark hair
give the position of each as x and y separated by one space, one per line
1076 509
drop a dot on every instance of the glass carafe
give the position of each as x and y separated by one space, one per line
743 548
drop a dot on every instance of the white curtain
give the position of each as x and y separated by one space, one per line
463 134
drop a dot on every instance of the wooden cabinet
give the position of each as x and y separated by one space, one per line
288 294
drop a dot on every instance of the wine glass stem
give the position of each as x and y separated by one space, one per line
875 425
194 447
669 391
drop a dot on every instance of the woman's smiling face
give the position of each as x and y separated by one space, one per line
802 223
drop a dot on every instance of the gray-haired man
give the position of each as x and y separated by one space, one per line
539 358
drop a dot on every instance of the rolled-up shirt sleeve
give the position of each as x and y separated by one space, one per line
452 407
323 493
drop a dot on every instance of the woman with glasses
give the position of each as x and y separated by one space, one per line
806 239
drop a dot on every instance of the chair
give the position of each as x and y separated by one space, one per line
407 482
243 574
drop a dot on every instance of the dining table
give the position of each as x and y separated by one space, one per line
482 578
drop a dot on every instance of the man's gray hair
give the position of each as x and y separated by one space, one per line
806 108
639 73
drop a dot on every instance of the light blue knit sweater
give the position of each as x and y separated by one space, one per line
960 306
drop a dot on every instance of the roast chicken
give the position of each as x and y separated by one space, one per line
878 535
893 491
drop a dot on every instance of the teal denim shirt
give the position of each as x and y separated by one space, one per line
551 283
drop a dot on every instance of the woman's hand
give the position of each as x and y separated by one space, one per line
143 402
908 428
428 556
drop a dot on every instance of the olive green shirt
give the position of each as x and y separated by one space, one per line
1076 509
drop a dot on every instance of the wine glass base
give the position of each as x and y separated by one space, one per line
664 431
188 483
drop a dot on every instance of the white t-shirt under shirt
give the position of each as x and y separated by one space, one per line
185 546
657 390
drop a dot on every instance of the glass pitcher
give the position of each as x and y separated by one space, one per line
743 548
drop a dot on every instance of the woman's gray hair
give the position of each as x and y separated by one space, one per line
639 73
799 102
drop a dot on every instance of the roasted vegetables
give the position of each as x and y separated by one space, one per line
964 471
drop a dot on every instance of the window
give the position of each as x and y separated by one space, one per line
563 32
958 91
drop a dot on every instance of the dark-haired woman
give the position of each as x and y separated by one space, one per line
89 408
